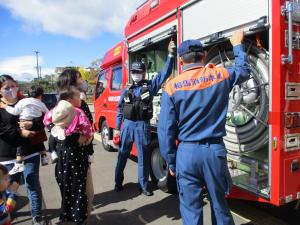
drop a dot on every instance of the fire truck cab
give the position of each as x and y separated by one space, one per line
263 122
112 79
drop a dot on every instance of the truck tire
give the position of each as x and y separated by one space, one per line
159 172
106 136
247 131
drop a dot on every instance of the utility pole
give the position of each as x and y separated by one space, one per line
37 63
52 76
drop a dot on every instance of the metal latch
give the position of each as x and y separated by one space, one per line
215 38
292 11
147 42
294 6
261 24
172 31
292 91
291 142
295 165
295 39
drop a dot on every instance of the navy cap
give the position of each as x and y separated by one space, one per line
138 66
190 46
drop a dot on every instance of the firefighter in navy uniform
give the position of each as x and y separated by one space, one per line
135 107
193 111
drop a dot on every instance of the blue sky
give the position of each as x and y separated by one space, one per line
65 32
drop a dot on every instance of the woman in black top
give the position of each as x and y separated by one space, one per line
72 77
12 136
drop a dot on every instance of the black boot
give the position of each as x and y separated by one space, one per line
118 188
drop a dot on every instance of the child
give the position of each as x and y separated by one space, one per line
28 109
68 118
7 207
72 164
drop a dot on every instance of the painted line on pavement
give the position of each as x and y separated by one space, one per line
241 217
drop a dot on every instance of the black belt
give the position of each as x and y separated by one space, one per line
206 141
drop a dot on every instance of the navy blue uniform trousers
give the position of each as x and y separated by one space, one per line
137 132
200 164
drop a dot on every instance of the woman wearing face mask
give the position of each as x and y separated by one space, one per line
11 136
135 106
68 78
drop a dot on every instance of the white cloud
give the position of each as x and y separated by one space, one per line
23 68
77 18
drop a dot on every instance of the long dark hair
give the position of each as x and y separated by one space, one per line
67 93
68 78
5 77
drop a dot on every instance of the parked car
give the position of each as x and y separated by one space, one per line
50 100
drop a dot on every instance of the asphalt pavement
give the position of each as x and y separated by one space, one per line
129 207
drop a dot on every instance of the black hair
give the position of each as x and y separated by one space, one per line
5 77
67 93
35 91
192 57
67 78
3 171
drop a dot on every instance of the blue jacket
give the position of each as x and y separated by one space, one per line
194 104
154 85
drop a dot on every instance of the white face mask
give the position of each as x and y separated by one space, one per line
83 86
137 77
10 93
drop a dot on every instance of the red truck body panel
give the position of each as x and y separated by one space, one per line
283 175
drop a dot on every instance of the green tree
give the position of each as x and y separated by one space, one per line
48 83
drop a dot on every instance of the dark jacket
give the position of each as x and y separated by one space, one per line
154 86
10 137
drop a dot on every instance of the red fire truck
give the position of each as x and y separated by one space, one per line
263 120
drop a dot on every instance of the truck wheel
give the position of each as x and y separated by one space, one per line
105 137
160 176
